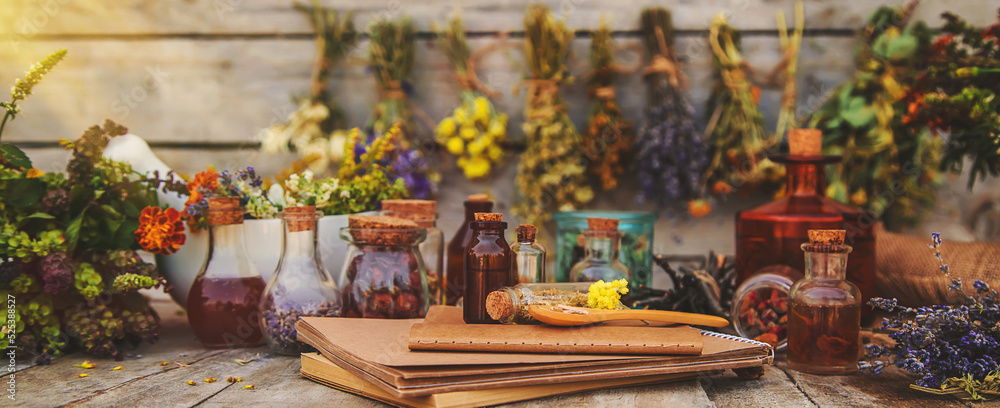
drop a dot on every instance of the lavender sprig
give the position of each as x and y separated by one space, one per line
953 348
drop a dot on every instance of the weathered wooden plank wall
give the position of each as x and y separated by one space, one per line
199 78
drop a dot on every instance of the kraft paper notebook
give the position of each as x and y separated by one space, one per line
318 368
377 351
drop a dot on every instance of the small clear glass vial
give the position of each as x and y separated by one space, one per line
529 255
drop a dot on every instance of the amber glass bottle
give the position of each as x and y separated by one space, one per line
487 266
773 233
455 273
222 304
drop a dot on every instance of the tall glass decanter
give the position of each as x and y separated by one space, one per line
600 262
770 236
300 286
455 276
223 302
824 319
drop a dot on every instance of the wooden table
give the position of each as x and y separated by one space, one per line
147 382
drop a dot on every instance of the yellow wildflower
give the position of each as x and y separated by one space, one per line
192 383
211 380
494 152
498 128
248 387
446 127
607 295
477 167
164 364
455 145
116 368
477 147
34 173
482 110
469 132
81 375
460 115
86 364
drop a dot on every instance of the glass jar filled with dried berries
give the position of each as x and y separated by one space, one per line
424 213
300 286
384 276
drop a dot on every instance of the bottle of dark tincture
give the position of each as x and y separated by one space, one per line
455 273
487 266
222 304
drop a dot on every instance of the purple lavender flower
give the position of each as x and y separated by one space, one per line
57 272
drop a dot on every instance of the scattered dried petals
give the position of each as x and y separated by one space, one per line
244 362
248 387
211 380
86 364
81 375
232 379
164 364
116 368
192 383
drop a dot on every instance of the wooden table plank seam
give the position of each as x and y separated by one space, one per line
797 386
136 379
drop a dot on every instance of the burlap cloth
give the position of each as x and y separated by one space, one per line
906 268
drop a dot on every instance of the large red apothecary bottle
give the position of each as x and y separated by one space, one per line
769 237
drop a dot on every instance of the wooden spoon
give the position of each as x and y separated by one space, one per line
562 318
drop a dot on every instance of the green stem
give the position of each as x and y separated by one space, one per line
4 122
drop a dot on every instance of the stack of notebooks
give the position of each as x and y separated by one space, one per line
441 362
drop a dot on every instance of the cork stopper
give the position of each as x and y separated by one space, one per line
381 230
602 224
410 206
224 211
526 233
489 217
499 305
827 237
478 198
301 218
805 142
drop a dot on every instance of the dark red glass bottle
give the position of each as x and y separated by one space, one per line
772 234
455 274
487 266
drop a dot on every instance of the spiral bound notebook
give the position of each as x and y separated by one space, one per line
376 351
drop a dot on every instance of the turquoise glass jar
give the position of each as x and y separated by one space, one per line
636 250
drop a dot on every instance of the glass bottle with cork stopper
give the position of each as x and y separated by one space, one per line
768 237
384 275
824 319
424 214
487 266
223 302
509 305
529 255
454 287
600 262
300 286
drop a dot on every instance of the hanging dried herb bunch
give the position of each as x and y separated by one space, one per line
390 56
960 94
889 168
317 128
609 136
670 152
390 53
551 174
736 137
475 129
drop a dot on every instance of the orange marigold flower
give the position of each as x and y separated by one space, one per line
160 231
207 179
699 208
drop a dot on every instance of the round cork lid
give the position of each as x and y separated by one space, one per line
526 233
499 305
805 142
382 230
827 241
410 206
302 218
478 198
224 211
602 224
